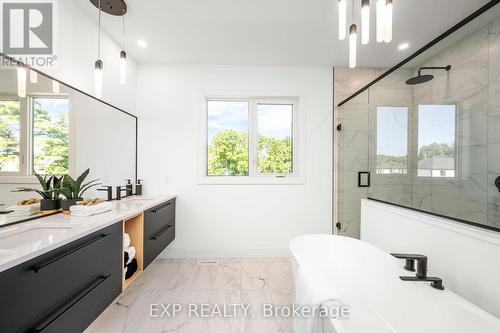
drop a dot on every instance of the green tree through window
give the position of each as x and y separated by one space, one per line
50 136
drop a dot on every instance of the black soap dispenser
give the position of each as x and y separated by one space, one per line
128 187
138 187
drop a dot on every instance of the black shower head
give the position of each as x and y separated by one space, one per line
424 78
419 79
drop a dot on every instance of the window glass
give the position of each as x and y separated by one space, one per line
392 140
275 138
10 123
227 138
50 135
436 141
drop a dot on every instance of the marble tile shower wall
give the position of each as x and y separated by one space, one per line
473 84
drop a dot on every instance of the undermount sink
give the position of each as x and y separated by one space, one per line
32 237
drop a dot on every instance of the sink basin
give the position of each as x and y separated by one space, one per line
33 237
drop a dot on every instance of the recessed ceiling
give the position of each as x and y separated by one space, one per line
272 32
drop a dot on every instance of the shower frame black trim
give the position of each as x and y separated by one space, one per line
13 60
455 219
450 31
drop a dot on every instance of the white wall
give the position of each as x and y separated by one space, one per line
465 257
232 220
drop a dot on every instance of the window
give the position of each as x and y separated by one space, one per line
274 134
227 138
10 136
251 138
436 141
34 135
50 135
392 140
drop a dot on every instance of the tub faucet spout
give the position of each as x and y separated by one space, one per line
410 263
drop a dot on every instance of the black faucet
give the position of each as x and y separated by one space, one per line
421 274
109 190
119 191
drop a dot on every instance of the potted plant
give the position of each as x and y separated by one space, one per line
50 189
73 190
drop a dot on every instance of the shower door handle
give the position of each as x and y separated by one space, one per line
364 179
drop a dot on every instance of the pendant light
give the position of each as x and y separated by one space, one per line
123 58
33 76
342 19
56 87
381 10
365 21
98 64
353 36
21 80
388 21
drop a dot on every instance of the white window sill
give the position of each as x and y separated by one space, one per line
268 180
18 180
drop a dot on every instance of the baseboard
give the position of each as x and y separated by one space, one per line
174 253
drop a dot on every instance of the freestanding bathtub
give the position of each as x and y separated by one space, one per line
367 279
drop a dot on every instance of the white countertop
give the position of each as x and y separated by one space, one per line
51 232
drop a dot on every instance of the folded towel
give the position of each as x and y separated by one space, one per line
20 213
131 269
99 207
26 208
125 259
84 213
130 251
126 241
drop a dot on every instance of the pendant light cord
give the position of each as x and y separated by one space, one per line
123 36
99 33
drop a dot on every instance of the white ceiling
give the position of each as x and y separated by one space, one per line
271 32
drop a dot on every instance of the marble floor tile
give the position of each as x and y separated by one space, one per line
252 281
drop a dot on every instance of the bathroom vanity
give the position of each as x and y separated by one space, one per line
57 274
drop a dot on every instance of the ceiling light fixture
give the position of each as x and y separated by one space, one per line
365 21
380 21
388 21
353 38
142 43
33 76
342 19
403 46
21 80
56 87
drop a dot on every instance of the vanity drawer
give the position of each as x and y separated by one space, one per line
157 242
33 289
159 230
156 217
77 311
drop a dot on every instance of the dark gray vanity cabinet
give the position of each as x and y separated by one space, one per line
65 289
159 230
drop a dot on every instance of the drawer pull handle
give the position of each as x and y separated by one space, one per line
79 247
67 305
161 208
161 232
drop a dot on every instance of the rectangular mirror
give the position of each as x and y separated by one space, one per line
55 130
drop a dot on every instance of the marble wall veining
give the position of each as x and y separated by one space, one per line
473 85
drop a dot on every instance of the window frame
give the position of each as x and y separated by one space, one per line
254 177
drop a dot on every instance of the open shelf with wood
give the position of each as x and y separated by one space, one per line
134 227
